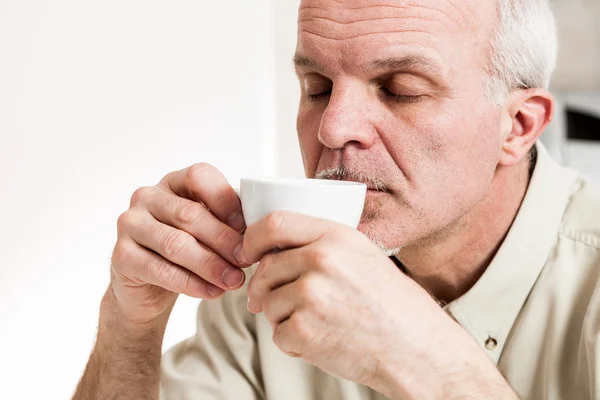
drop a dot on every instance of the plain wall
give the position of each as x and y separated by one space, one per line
578 66
289 160
96 100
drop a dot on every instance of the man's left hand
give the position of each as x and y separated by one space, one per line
334 299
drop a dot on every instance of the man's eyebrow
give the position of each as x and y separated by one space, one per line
301 61
417 63
414 62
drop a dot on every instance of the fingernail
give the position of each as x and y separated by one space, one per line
236 221
239 256
232 277
214 291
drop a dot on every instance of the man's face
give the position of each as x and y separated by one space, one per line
393 93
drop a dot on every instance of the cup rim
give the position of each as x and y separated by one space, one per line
298 182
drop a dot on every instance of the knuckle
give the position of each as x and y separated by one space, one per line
123 255
190 213
300 328
140 196
174 242
274 222
198 172
307 288
124 222
313 296
317 305
183 283
167 275
149 268
221 235
321 258
282 342
211 267
220 197
210 258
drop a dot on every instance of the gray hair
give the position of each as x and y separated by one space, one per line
524 48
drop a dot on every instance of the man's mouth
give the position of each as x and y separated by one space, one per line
343 174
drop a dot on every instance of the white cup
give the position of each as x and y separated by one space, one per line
338 201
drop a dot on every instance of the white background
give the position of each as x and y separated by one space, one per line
97 99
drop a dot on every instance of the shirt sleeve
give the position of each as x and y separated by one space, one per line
221 360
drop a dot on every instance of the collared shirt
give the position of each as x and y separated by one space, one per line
535 312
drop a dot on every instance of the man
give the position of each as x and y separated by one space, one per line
491 290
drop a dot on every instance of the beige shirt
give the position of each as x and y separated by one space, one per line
535 312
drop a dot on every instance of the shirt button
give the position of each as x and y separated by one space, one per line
491 343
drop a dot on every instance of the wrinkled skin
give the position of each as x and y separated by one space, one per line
437 153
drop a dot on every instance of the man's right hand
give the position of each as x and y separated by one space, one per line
168 243
177 237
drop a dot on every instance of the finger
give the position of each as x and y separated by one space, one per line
182 249
138 263
279 304
294 335
281 230
204 183
275 270
194 218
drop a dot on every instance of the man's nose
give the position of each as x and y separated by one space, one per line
347 119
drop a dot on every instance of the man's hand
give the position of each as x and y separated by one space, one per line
177 237
334 299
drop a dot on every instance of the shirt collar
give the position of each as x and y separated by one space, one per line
489 309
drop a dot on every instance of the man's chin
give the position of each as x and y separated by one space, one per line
375 230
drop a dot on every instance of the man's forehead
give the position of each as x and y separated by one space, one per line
354 33
462 13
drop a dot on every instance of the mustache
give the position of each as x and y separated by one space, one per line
345 174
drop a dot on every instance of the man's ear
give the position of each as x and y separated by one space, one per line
530 111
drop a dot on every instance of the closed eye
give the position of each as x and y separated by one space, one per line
319 96
400 98
389 95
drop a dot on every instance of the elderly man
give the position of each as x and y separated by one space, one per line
486 285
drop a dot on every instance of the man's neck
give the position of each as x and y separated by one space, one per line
449 265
